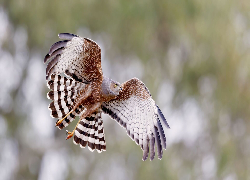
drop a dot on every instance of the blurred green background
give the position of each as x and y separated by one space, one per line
193 56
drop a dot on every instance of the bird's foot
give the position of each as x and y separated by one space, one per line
59 122
70 134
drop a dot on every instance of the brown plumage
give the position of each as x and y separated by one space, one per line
85 92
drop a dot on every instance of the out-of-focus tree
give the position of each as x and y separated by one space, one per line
193 56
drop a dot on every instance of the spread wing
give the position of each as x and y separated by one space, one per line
77 57
136 111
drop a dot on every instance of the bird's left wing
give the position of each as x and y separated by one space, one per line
136 111
77 57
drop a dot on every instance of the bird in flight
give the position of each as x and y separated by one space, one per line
79 88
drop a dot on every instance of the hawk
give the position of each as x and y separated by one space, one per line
84 91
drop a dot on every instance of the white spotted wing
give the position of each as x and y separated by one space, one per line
137 112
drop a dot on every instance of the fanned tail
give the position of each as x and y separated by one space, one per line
90 132
64 92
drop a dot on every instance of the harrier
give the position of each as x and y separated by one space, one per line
85 92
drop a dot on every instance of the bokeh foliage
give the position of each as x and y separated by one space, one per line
201 47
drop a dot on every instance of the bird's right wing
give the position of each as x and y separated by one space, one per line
77 57
136 111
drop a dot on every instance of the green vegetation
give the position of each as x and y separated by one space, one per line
200 49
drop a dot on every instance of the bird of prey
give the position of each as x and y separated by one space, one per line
79 88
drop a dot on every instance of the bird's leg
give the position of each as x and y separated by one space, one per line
80 101
70 134
60 121
87 113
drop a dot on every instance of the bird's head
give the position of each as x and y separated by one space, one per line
115 87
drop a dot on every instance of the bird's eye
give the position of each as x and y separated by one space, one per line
115 85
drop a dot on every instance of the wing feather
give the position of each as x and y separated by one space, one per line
152 148
51 65
63 93
77 57
66 36
57 45
135 107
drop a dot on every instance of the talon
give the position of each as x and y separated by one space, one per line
70 134
59 122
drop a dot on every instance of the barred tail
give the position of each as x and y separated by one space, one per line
90 132
64 92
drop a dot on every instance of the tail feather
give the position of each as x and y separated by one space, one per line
64 92
90 132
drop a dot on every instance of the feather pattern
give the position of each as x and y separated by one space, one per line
51 65
90 132
57 45
66 36
64 93
136 111
89 93
56 52
79 58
